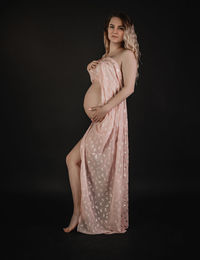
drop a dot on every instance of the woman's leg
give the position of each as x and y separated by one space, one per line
73 161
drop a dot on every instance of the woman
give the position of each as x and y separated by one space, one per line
98 164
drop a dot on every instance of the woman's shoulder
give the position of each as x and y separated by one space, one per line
127 54
123 56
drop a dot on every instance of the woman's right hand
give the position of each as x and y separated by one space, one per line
92 65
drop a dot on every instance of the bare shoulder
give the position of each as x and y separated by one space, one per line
127 55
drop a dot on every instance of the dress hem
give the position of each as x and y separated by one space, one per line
103 232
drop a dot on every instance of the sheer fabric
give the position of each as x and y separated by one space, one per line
104 160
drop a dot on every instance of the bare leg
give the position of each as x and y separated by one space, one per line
74 177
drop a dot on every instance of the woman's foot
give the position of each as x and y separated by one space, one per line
73 223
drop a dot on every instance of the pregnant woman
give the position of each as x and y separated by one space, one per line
98 163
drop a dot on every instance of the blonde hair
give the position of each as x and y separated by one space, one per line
129 42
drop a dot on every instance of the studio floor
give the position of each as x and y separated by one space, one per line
161 226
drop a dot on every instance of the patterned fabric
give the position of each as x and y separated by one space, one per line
104 160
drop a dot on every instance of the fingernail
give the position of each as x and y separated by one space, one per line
89 109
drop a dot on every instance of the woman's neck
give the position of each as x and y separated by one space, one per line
114 51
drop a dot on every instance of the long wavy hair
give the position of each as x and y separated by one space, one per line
130 41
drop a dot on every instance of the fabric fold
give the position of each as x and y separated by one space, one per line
104 161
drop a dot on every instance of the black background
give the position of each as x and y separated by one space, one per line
45 49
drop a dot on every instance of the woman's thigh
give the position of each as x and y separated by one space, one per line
74 156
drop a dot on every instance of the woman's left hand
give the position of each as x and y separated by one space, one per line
99 113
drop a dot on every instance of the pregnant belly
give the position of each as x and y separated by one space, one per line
92 98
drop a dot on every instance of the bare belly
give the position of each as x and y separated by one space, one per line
92 98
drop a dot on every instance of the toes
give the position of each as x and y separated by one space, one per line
66 229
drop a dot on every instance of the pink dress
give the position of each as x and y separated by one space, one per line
104 161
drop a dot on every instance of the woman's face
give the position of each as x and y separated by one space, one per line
115 30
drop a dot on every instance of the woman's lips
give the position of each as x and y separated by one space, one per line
114 36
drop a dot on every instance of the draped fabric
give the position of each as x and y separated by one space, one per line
104 160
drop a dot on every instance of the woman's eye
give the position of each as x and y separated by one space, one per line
121 28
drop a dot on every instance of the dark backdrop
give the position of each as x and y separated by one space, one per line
45 49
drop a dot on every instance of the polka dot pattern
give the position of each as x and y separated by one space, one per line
104 161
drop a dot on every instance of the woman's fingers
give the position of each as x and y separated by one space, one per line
93 64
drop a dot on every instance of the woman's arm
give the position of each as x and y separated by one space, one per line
117 99
129 71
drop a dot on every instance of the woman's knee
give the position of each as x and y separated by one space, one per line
68 159
73 158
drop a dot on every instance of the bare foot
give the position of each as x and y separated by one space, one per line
73 223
